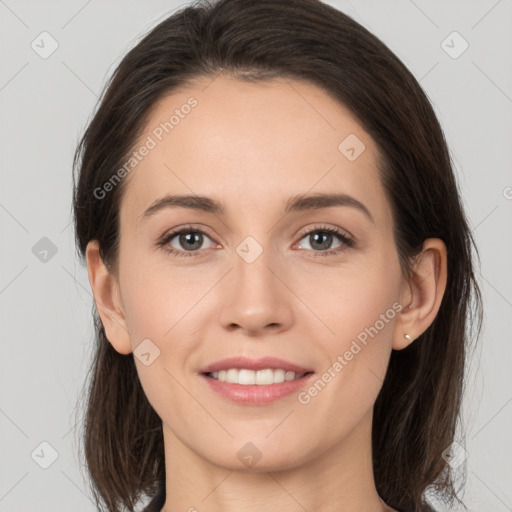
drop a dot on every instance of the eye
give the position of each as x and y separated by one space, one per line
320 240
188 239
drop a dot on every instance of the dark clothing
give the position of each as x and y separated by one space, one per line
158 501
425 508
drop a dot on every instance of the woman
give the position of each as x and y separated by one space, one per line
281 266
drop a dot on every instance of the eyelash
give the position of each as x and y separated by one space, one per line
342 235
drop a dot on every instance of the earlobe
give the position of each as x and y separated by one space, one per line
423 293
107 299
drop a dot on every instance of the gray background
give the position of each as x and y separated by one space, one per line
46 328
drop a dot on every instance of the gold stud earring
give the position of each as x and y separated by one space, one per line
407 337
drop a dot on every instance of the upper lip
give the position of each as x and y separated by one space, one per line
254 364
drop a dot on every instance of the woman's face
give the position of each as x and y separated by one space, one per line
254 279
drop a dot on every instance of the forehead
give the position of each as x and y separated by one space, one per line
252 144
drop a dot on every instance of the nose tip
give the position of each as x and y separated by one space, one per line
256 299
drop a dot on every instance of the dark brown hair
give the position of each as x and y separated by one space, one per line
417 411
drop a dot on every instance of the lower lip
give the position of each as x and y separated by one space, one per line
256 394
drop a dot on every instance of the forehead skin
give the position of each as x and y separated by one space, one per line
253 146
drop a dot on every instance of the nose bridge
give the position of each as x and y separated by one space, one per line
257 298
252 273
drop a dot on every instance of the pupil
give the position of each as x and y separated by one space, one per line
189 238
319 235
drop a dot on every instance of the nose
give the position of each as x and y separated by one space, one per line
256 298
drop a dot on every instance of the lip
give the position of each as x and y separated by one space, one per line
262 363
254 394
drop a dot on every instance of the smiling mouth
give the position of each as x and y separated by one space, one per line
248 377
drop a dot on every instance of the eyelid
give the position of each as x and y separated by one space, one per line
323 226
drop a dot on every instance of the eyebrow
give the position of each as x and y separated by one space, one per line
296 203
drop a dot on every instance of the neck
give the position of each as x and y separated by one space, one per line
339 479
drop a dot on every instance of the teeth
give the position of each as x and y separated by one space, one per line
260 377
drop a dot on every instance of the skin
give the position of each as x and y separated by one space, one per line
252 146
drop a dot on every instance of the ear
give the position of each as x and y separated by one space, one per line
422 293
108 300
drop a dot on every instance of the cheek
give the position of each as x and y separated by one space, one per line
349 301
157 299
164 307
358 310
